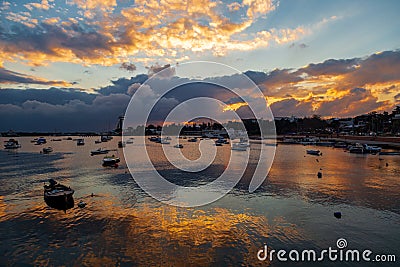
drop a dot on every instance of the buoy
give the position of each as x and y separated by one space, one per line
319 174
81 204
337 214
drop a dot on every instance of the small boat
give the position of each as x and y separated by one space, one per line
97 141
80 142
389 153
242 144
69 138
47 150
41 141
121 144
178 146
192 140
105 138
372 149
165 141
153 139
357 149
337 214
218 144
12 144
313 152
111 161
238 147
99 151
82 204
221 141
58 196
34 140
129 141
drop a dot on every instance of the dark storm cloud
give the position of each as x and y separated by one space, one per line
289 107
121 85
53 96
84 42
72 109
74 115
12 77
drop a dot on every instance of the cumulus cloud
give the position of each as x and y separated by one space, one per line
132 89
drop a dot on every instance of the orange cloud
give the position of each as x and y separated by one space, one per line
147 30
234 106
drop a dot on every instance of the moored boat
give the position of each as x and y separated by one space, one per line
238 147
12 144
313 152
121 144
357 149
58 196
80 142
178 146
47 150
372 149
165 141
99 151
111 161
153 139
41 141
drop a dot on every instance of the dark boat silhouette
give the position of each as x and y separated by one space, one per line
58 196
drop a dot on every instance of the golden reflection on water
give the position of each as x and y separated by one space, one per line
113 229
3 207
155 235
172 236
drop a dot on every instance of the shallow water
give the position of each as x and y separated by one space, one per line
121 225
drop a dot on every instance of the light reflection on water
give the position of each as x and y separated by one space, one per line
121 225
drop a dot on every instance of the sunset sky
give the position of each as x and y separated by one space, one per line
63 58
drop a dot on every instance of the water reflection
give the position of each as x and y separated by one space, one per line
121 225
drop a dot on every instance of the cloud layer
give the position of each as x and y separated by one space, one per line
335 87
110 32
